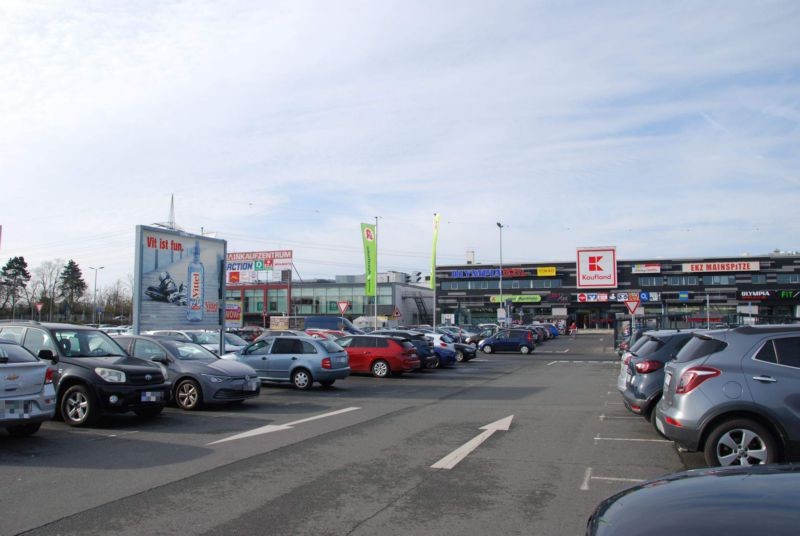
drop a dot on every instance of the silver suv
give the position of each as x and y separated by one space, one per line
735 395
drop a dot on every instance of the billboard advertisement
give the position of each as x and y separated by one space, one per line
233 313
256 267
177 280
597 267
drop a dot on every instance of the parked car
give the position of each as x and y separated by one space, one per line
730 501
282 333
27 395
459 334
509 340
330 334
380 355
248 333
733 394
644 379
444 348
198 376
424 346
625 358
94 375
464 352
300 361
207 338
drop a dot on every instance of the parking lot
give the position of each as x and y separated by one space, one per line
399 455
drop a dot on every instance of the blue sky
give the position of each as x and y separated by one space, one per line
666 129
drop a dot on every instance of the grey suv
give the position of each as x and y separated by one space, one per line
644 374
735 395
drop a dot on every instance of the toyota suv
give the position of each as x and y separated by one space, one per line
734 394
94 374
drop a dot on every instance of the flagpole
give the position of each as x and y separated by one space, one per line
375 324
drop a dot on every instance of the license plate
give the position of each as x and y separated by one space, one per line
152 396
251 385
15 409
667 379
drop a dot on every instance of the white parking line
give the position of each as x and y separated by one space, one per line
587 478
598 438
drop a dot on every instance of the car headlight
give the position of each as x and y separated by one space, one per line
216 379
111 375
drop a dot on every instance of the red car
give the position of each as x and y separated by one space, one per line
379 355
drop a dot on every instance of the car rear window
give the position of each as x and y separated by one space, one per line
649 346
699 346
12 353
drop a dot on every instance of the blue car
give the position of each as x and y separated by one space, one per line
446 356
509 340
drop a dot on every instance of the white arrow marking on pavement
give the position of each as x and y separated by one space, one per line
452 459
279 427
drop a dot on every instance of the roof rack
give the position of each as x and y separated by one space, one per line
21 321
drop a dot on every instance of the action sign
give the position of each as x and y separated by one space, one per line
342 306
597 267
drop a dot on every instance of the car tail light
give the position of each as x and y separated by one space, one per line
627 359
443 345
48 376
673 422
530 336
694 377
326 363
648 365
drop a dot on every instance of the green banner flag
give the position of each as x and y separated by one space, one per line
433 256
368 236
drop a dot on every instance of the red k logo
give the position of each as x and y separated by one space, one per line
594 264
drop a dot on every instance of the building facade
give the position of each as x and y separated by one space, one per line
680 292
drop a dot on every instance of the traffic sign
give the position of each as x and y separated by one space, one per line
39 306
343 305
397 312
632 305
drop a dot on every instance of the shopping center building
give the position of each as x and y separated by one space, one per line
677 292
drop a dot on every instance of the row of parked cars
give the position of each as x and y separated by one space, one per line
77 373
732 394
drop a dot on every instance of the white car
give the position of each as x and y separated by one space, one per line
206 338
444 341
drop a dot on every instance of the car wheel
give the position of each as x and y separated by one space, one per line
327 383
524 350
24 430
380 368
433 363
78 406
188 395
301 379
459 356
487 348
149 413
740 442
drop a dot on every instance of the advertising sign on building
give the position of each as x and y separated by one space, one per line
735 266
514 298
646 269
546 271
597 267
255 267
233 313
177 280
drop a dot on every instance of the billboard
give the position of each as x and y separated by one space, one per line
597 267
733 266
255 267
177 280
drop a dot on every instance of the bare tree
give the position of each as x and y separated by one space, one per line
48 275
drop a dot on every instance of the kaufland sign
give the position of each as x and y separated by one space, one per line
597 267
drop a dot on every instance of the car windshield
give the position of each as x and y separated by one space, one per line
649 346
235 340
448 339
330 346
188 351
86 343
204 337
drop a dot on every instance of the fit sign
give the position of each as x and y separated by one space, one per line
597 267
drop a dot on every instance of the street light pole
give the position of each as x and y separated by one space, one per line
94 300
500 299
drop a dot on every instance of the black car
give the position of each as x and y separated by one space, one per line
733 501
95 374
465 352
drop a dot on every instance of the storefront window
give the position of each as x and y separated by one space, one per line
276 301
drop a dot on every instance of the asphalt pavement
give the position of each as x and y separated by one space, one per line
367 456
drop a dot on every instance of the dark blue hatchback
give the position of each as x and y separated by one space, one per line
509 340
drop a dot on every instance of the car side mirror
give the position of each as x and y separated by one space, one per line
48 354
161 359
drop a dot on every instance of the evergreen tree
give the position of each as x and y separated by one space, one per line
14 277
71 284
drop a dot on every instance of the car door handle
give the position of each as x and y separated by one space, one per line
264 358
294 359
765 379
